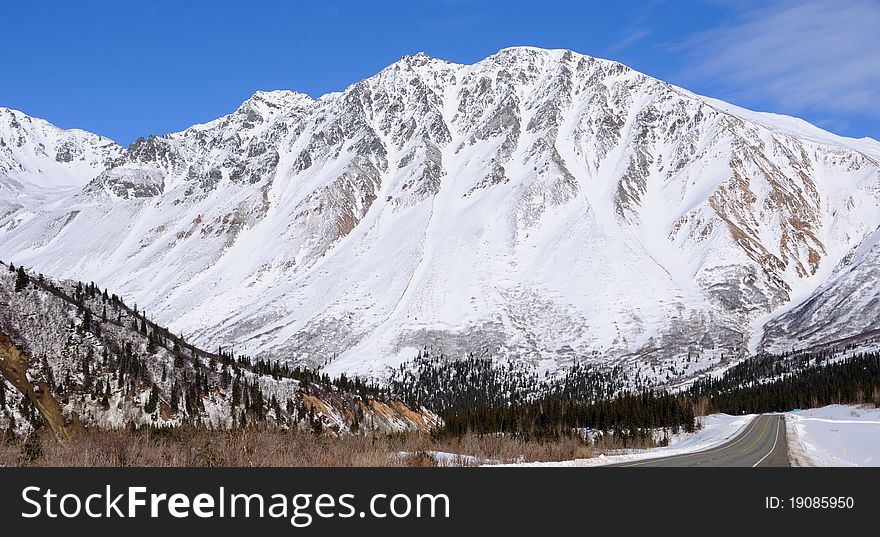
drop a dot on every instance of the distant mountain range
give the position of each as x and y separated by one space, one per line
539 205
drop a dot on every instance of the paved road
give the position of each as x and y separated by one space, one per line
762 443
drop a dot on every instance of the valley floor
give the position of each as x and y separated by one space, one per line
835 435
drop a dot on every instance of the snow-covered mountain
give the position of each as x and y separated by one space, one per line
38 159
538 205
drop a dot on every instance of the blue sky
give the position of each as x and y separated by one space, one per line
127 69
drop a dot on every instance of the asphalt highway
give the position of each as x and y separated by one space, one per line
761 443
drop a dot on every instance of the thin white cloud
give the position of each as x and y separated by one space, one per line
637 34
814 55
639 29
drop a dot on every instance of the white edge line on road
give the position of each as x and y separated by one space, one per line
771 449
738 437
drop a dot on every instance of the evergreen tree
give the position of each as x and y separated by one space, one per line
21 279
32 449
152 401
175 397
317 426
47 371
87 320
236 393
355 423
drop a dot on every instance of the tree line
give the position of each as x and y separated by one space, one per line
807 381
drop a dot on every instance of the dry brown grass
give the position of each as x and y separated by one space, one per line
187 447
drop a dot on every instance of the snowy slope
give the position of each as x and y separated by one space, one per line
539 204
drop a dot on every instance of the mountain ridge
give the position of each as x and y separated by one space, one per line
329 228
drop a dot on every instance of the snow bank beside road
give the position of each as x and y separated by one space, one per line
836 435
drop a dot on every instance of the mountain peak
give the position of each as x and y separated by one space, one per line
271 103
418 61
36 155
532 53
526 50
279 97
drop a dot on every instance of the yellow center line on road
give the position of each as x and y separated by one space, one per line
779 424
760 437
724 447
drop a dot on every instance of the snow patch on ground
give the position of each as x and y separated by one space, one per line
835 435
445 458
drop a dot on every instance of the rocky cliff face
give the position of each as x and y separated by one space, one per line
845 310
538 205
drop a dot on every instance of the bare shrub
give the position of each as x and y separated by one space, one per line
420 459
31 449
253 447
